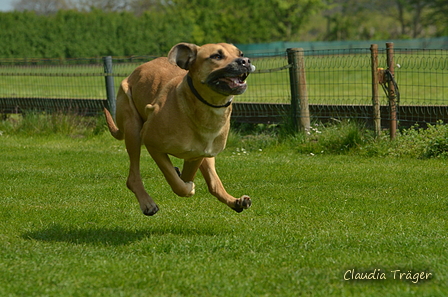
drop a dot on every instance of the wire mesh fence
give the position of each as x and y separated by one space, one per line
52 85
52 78
269 93
339 85
342 77
423 76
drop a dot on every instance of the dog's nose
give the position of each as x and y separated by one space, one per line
243 61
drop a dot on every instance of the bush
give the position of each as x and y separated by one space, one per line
419 142
339 138
348 137
437 148
345 137
34 123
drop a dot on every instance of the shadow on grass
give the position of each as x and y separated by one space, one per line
109 236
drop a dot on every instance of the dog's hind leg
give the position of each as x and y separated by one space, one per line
134 182
217 189
131 124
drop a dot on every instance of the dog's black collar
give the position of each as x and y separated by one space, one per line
193 90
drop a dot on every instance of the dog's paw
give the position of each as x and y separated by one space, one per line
242 203
184 189
191 189
150 210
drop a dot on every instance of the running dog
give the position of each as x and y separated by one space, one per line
180 105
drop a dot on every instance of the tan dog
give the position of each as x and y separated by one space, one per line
181 106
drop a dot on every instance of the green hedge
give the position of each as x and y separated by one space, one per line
70 34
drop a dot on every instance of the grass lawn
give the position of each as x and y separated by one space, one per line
70 227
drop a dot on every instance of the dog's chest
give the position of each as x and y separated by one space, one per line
188 134
210 144
201 145
207 136
204 145
186 143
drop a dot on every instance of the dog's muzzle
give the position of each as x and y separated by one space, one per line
231 80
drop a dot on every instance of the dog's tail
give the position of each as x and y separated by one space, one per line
116 133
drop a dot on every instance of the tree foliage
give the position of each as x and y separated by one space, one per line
438 15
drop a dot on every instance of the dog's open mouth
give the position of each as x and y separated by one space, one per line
230 80
234 82
230 85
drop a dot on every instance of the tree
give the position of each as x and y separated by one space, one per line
250 21
351 19
438 16
410 14
346 19
292 14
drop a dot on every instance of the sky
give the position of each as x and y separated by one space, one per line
6 5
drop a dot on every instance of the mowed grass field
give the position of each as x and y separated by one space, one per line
70 227
342 78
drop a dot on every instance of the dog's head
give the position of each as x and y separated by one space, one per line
222 67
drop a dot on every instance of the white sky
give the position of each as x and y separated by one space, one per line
6 5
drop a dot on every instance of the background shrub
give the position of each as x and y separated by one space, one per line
341 138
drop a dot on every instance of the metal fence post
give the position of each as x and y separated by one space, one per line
375 96
110 87
299 94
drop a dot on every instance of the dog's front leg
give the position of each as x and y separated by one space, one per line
180 187
190 169
217 189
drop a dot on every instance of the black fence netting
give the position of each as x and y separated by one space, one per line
338 84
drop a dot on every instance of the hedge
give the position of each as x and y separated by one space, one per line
71 34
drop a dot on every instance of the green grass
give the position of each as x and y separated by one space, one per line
70 227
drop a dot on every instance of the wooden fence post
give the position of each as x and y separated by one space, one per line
110 87
375 95
299 94
391 90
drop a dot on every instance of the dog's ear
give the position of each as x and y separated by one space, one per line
183 55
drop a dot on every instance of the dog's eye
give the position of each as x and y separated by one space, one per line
216 57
